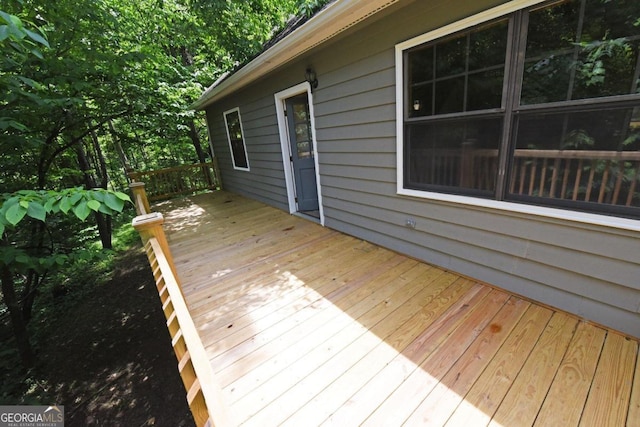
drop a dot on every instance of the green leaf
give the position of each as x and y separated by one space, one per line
1 228
30 82
24 204
12 20
37 53
4 32
81 210
94 205
37 211
123 196
15 213
50 205
65 204
98 195
105 209
37 38
75 197
113 202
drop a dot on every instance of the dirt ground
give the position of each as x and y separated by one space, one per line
110 361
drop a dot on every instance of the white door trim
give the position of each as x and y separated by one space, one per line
280 97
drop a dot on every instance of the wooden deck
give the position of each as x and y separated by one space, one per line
307 326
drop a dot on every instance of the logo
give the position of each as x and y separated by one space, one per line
32 416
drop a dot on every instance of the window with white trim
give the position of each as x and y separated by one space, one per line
541 106
235 136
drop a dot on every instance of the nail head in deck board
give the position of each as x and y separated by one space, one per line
575 373
608 401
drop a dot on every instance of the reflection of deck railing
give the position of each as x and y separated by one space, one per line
580 175
163 184
204 396
609 177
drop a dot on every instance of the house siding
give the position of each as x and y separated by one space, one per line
590 270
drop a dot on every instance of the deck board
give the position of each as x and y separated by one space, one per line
306 326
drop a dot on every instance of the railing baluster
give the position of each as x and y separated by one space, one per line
554 177
543 177
576 186
592 173
618 186
523 172
632 189
532 179
603 181
163 184
565 178
204 395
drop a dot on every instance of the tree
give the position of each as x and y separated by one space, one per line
18 257
83 82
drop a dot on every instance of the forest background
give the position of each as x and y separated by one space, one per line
88 90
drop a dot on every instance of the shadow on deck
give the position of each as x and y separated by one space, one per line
305 326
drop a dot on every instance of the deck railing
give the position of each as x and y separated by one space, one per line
204 396
609 177
162 184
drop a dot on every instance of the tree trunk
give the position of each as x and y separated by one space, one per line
195 139
121 154
17 322
103 223
193 133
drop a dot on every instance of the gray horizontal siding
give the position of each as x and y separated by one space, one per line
265 179
589 270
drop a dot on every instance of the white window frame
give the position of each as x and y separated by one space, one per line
514 207
244 142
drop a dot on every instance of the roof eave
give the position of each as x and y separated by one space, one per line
329 22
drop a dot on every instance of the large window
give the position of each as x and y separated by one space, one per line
235 136
541 106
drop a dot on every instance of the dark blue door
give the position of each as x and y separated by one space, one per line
300 138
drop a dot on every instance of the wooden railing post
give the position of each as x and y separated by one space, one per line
140 198
216 172
150 225
467 164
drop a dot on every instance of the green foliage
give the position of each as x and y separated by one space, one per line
592 68
309 7
16 206
18 43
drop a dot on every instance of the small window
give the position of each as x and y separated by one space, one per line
235 135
